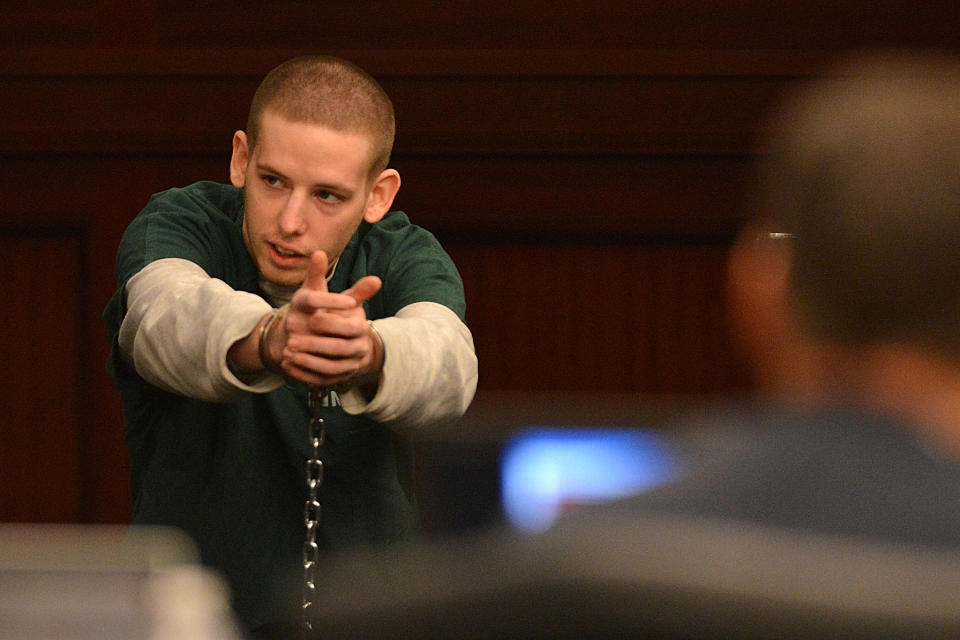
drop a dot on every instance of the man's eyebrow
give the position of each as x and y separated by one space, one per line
263 167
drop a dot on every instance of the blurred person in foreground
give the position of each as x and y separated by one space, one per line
845 295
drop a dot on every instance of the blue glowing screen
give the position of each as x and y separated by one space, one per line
545 471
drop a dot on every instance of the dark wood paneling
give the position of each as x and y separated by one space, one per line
595 317
664 115
89 201
112 24
686 24
42 438
554 197
489 115
802 25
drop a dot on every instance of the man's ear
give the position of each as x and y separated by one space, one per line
762 325
384 190
239 160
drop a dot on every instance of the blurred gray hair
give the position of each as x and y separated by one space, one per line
864 169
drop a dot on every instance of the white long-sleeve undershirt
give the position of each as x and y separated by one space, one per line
180 323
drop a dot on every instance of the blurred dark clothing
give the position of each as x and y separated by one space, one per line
838 470
833 522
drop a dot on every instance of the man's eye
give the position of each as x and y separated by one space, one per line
272 181
328 196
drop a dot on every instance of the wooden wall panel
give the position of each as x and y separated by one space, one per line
598 317
188 113
109 24
80 205
556 196
465 24
43 429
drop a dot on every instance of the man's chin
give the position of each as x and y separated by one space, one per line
287 279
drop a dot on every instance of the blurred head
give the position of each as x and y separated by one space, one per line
864 171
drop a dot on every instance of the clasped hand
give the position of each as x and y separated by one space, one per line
325 339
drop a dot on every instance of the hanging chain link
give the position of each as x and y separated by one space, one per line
311 513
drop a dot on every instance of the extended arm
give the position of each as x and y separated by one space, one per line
415 369
429 371
320 338
179 325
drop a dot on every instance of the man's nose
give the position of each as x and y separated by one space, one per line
293 219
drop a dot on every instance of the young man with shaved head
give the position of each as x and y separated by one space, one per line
237 303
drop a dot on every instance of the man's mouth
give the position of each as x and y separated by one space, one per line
285 258
285 252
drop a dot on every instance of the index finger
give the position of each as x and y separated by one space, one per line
310 300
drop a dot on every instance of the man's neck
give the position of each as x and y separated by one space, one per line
279 294
920 386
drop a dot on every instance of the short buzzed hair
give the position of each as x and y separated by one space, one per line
865 172
331 92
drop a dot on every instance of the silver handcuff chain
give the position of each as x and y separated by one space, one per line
312 508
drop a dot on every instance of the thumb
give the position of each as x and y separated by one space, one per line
317 272
364 289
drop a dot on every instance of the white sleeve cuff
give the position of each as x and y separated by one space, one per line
429 371
179 325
